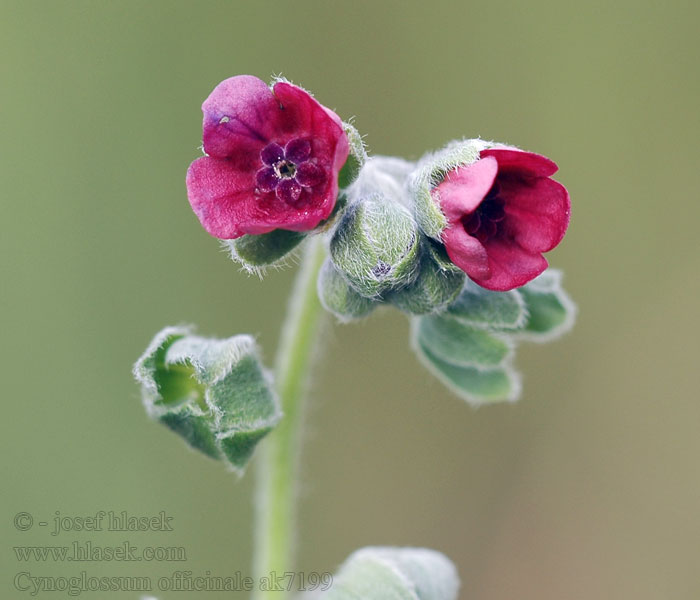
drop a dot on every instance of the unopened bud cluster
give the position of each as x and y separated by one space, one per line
381 253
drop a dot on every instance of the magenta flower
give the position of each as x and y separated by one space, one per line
273 158
503 212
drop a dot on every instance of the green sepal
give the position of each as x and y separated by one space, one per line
438 253
238 446
431 171
215 394
255 252
550 310
356 158
475 385
376 246
435 287
339 298
383 573
194 427
492 310
459 344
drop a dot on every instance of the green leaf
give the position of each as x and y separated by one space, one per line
484 308
476 386
458 344
339 298
194 427
258 251
395 574
551 312
213 393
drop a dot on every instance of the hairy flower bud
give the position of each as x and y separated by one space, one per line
339 298
376 245
438 283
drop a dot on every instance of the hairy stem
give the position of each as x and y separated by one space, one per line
279 454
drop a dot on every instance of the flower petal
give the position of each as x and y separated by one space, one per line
288 191
241 116
266 179
228 207
520 161
271 154
466 251
309 174
297 150
537 211
305 118
219 195
461 192
472 224
308 119
510 265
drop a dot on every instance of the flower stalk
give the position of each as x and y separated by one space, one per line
278 463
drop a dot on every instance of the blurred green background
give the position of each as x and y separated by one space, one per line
588 488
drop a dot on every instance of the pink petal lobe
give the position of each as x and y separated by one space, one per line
510 266
272 153
306 118
520 161
288 191
298 150
297 109
466 251
461 192
266 179
309 174
220 196
227 205
240 116
537 212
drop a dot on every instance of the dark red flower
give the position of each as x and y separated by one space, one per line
503 212
273 157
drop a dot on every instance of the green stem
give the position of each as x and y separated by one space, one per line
279 454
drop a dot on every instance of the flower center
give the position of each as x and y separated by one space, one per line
485 222
285 169
291 172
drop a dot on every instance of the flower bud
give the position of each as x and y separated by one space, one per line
339 298
438 283
376 244
213 393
